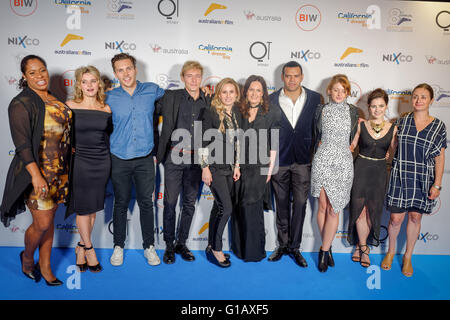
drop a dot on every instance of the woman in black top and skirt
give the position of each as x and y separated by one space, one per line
92 162
220 163
260 124
375 137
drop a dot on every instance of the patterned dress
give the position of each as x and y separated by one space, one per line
53 156
332 166
413 166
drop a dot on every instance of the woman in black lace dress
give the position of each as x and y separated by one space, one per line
376 136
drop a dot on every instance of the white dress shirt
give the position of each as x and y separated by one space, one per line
290 109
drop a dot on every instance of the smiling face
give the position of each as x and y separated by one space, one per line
228 95
377 109
125 72
89 85
421 99
36 75
338 93
255 93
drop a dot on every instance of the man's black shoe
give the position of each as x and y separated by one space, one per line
298 258
277 254
185 253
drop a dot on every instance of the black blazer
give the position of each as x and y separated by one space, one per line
168 106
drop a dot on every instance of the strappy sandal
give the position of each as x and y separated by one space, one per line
356 258
83 267
386 264
366 251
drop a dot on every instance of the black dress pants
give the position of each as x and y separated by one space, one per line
141 172
222 190
185 179
290 180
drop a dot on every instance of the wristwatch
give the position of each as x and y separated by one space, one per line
437 187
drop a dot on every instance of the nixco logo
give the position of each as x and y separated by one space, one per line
443 21
23 41
427 237
168 9
23 8
308 17
260 51
440 94
122 45
224 51
305 55
397 58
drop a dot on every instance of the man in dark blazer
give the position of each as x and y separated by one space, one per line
291 184
180 109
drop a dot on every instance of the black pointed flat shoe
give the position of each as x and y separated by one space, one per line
33 275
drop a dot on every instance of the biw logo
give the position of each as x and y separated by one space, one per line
308 17
23 8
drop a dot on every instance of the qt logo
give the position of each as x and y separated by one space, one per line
443 20
308 17
260 50
23 8
168 8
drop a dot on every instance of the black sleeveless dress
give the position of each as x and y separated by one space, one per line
369 184
92 161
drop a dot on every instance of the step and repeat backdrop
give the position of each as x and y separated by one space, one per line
394 45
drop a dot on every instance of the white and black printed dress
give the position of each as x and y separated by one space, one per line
332 166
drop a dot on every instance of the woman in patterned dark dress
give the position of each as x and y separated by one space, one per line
332 166
375 137
38 176
219 160
416 175
92 162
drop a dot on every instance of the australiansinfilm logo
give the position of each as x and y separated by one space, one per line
260 51
169 10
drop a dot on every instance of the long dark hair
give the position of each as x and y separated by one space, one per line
23 65
244 105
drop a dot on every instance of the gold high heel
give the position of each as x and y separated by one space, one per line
386 264
407 268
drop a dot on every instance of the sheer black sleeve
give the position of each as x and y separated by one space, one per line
21 132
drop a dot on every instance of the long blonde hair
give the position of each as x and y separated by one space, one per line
217 104
78 93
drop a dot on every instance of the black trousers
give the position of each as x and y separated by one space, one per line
292 180
222 190
185 179
141 172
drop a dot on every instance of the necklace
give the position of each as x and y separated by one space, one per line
377 128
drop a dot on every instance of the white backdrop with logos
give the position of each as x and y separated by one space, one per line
390 44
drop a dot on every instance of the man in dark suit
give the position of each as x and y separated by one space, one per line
176 150
291 184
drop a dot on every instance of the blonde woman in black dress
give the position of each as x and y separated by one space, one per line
375 137
92 163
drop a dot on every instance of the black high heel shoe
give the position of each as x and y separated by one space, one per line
83 267
227 255
53 283
330 259
97 267
323 260
33 275
212 258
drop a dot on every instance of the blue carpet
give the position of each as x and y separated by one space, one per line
200 280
